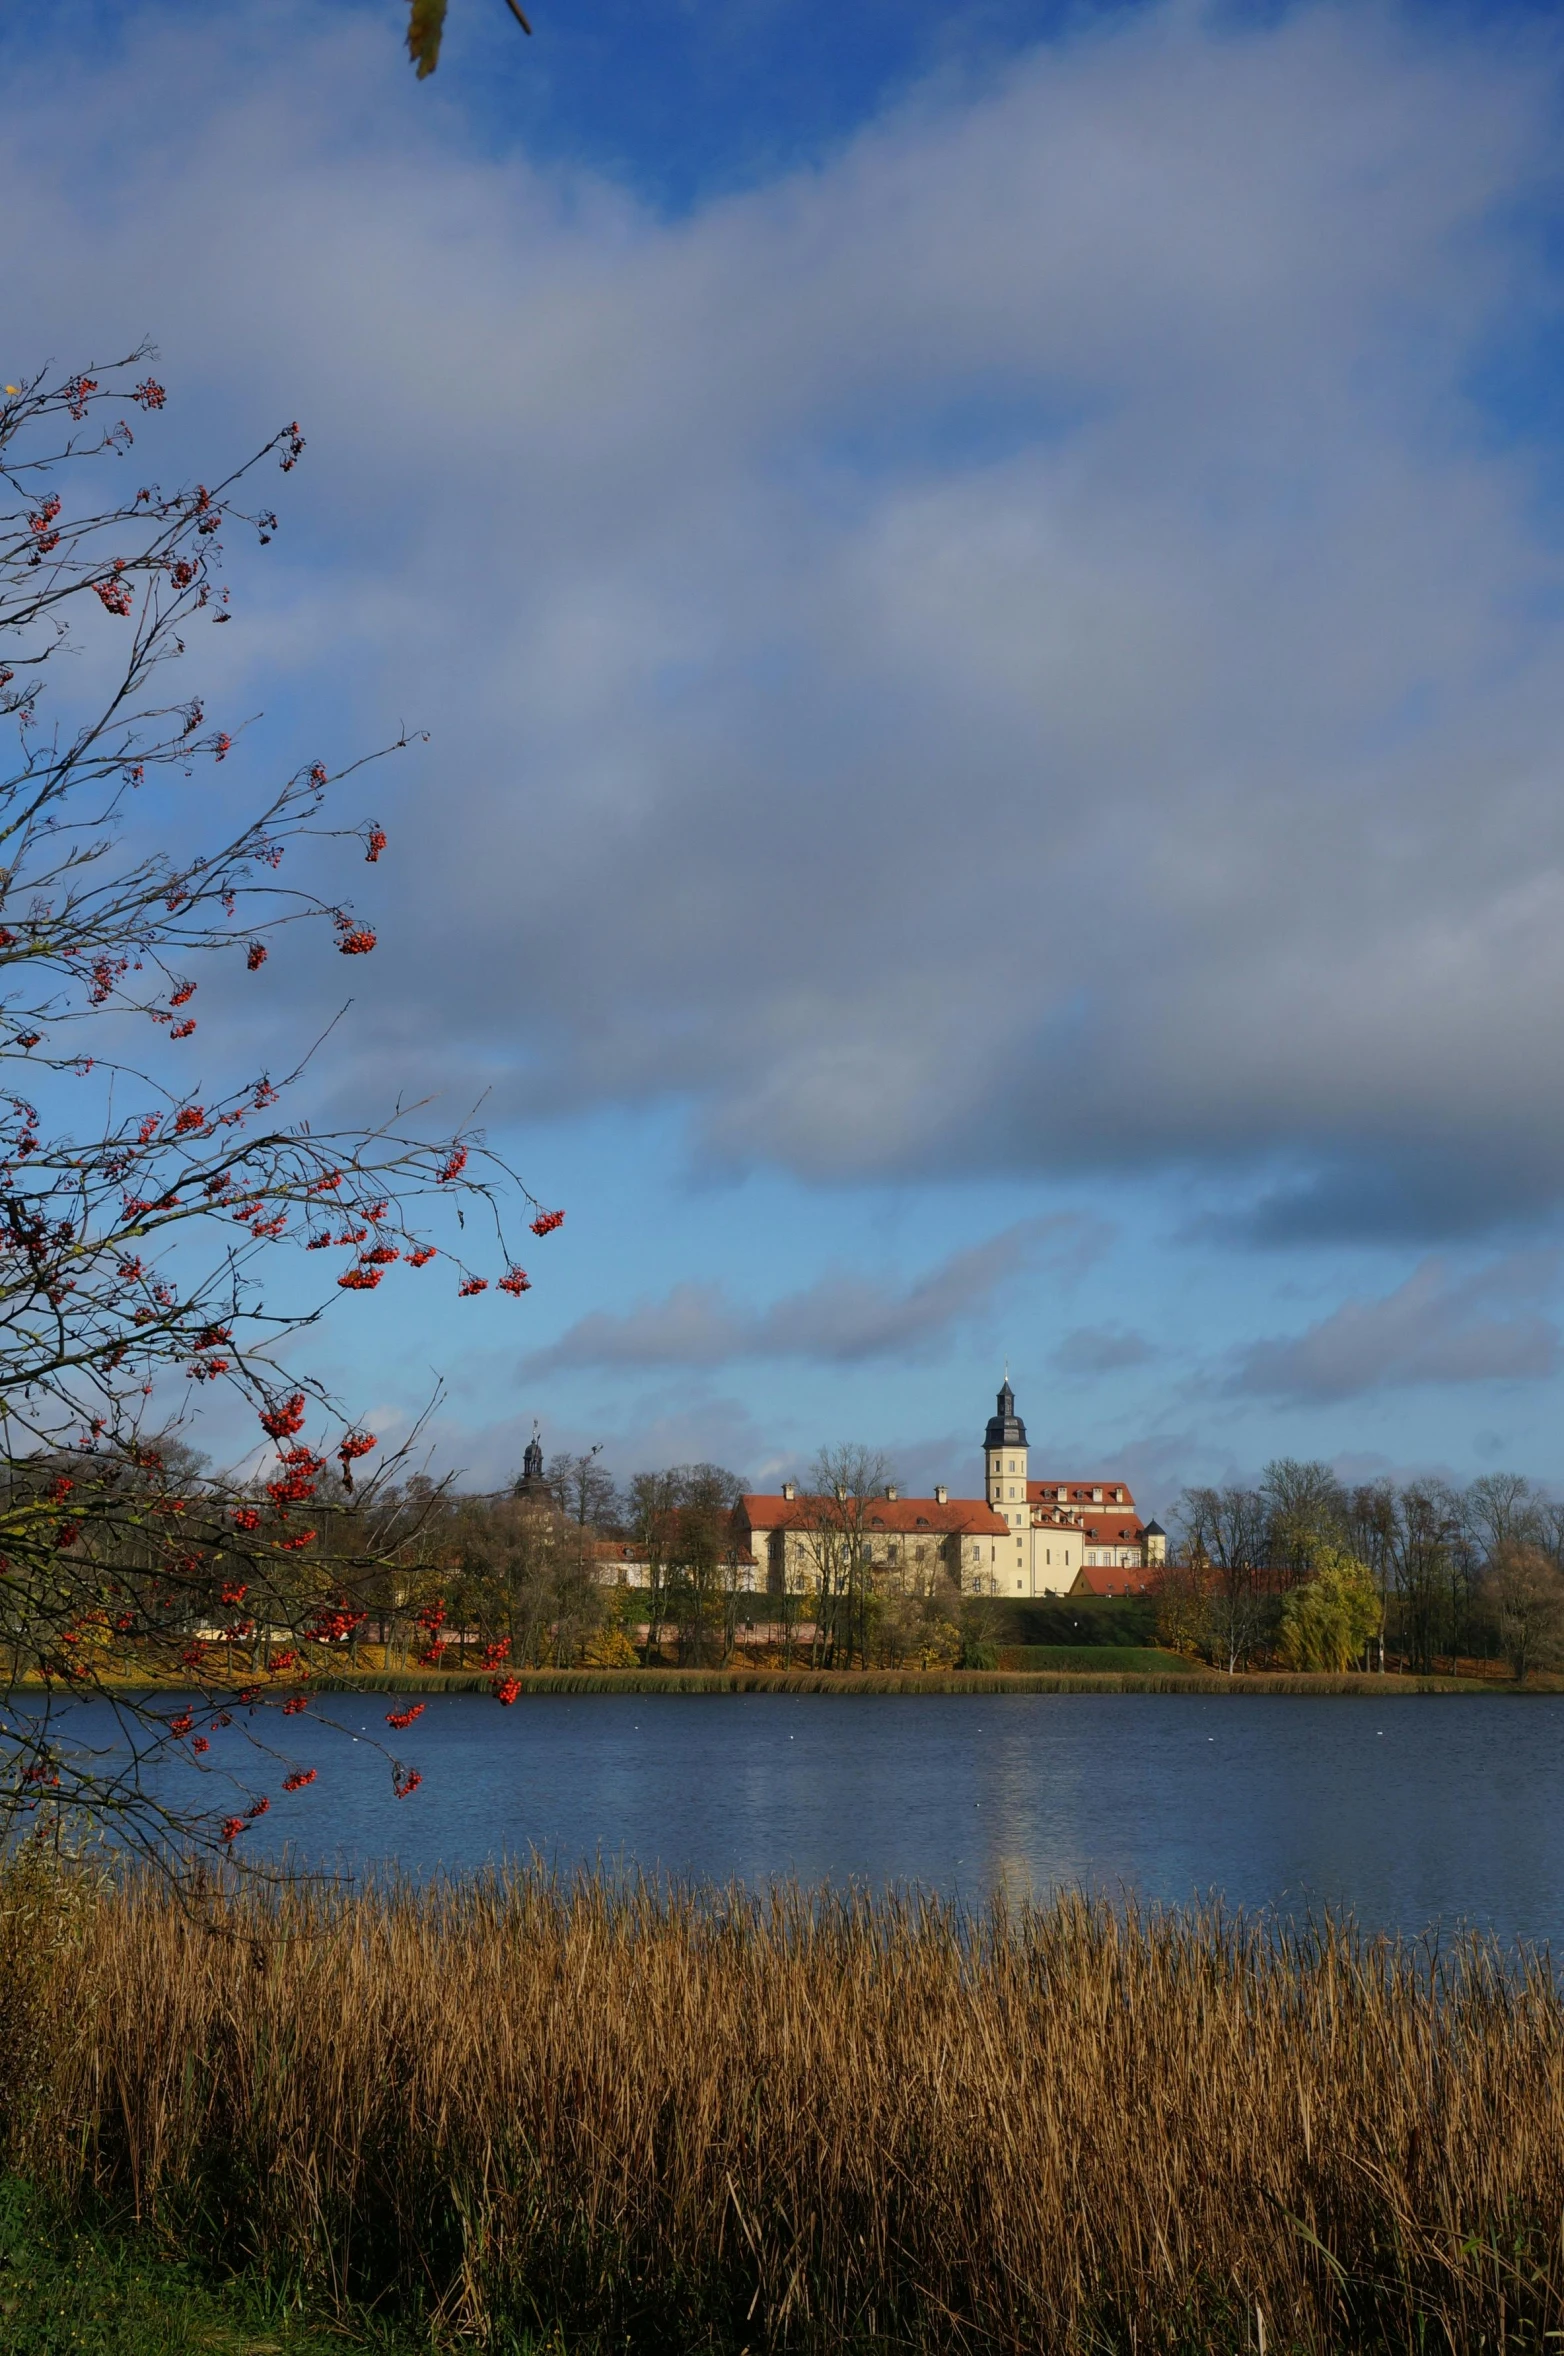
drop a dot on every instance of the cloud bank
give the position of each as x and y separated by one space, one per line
1018 648
1438 1327
842 1319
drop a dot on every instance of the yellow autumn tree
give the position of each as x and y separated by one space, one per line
1329 1619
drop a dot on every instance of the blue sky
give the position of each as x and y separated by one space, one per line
985 588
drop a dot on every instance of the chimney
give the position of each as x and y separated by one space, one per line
890 1491
790 1490
941 1493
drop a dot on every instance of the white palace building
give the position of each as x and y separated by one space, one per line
1023 1536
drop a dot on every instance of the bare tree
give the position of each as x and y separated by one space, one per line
584 1490
1225 1531
1502 1510
1371 1535
683 1518
1228 1527
1525 1592
1423 1537
707 1558
653 1517
833 1522
1305 1511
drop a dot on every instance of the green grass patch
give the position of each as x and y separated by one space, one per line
1135 1660
69 2290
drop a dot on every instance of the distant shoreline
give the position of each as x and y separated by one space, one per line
542 1683
977 1682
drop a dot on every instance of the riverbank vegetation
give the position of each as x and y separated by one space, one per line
1176 1677
672 2120
1304 1568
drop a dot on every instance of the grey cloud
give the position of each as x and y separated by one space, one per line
1437 1327
841 1319
685 1429
1171 782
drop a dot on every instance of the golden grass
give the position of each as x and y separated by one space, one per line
669 2121
872 1681
328 1677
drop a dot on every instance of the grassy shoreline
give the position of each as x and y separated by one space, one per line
896 1681
652 2121
1193 1681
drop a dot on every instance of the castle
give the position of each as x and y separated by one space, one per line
1021 1537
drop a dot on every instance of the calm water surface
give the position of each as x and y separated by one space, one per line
1409 1812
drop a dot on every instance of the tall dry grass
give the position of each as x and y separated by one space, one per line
680 2120
1189 1680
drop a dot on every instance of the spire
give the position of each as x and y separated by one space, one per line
1005 1428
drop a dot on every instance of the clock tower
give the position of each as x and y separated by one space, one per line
1004 1462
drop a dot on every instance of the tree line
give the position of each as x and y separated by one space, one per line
1325 1571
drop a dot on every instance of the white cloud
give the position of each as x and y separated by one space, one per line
1011 647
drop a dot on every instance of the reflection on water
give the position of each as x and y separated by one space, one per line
1407 1811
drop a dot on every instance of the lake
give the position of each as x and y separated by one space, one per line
1409 1812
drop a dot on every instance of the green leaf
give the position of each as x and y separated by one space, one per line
425 24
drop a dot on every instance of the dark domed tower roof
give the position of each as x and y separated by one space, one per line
532 1483
1005 1429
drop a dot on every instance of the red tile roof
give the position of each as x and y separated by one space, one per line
1103 1578
970 1515
1079 1493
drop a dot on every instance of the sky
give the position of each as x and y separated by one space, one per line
984 585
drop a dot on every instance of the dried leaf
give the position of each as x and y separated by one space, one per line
425 24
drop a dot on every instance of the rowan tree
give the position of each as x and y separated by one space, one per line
152 1235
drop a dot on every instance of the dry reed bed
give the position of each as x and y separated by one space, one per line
880 1681
677 2120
